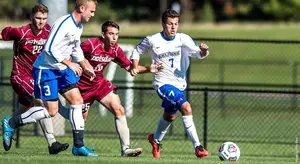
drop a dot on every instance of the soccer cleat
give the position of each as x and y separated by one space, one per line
90 149
83 151
7 133
155 146
200 151
132 152
57 147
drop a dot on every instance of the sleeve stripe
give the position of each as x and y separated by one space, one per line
49 50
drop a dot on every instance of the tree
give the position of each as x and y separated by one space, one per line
186 10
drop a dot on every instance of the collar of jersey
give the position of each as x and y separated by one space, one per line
167 39
79 25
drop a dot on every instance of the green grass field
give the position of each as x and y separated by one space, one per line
265 127
108 150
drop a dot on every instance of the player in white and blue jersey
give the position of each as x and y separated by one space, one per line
173 50
54 72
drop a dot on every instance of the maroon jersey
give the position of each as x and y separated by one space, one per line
94 52
27 47
99 58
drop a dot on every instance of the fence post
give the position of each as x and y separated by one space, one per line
205 114
1 81
294 83
15 105
221 79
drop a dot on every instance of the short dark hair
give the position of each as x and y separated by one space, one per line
169 13
39 8
109 23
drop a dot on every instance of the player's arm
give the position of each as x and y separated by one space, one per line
122 61
56 37
73 66
192 49
78 56
10 33
88 68
87 48
153 68
140 49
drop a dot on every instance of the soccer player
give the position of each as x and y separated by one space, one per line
29 41
173 50
100 52
53 72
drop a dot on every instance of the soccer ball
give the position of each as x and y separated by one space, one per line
229 151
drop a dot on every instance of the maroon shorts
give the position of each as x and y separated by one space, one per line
23 86
95 92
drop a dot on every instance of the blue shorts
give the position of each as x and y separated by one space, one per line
48 82
172 97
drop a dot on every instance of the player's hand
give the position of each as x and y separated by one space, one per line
134 71
75 68
89 70
156 67
204 48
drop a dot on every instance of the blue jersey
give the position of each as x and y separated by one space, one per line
50 75
173 53
63 42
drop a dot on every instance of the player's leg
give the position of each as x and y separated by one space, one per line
190 128
68 89
54 147
77 122
166 93
63 109
155 138
65 112
112 102
45 93
24 88
9 124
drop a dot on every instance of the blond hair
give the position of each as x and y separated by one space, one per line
82 2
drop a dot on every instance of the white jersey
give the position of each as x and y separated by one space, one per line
172 53
62 43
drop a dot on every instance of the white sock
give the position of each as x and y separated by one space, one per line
76 118
161 130
47 127
123 131
190 129
34 114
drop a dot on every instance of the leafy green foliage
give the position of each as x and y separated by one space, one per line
276 10
282 9
269 9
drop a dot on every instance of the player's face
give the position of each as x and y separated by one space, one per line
170 27
87 11
110 37
39 20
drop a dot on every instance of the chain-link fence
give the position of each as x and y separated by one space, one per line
261 122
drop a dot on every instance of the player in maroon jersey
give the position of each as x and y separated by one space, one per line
29 41
100 52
